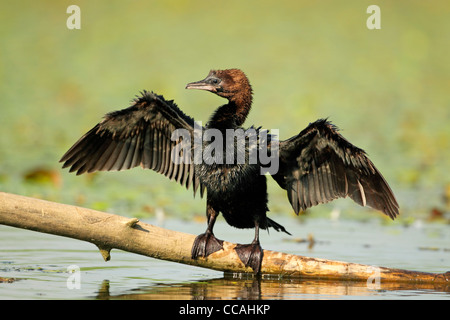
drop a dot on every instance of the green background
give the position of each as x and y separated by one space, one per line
387 89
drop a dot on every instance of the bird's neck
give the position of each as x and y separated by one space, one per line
233 114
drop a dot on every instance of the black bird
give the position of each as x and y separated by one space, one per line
316 166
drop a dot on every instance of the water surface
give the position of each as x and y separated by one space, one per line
37 264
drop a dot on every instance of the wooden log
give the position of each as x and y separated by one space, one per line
108 231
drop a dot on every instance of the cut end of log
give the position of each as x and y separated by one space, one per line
442 277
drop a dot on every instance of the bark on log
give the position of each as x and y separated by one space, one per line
108 231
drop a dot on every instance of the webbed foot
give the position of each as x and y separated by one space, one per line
205 244
251 255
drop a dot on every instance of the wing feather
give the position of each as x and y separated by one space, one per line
139 135
319 165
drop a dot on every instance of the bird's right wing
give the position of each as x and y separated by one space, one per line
139 135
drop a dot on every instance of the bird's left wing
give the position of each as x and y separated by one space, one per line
319 165
140 135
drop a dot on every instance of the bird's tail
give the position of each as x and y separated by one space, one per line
276 226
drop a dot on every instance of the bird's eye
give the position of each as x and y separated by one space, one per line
215 80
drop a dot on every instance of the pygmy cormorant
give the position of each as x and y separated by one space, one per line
315 166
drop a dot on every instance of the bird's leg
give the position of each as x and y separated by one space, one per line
251 254
206 243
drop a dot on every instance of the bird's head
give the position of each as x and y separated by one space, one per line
231 84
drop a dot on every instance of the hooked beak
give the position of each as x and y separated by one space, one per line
201 85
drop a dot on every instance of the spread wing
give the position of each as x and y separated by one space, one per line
319 165
139 135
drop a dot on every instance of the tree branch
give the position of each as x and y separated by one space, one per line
108 231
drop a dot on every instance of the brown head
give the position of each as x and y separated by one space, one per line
231 84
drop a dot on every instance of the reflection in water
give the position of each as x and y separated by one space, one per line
232 287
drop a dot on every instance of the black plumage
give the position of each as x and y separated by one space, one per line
316 166
319 165
136 136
